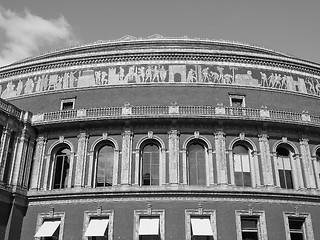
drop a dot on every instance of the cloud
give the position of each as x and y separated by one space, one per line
23 35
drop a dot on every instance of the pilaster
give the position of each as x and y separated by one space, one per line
28 163
126 157
173 157
4 145
266 160
81 158
221 158
307 164
38 162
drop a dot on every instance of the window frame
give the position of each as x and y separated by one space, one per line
99 213
54 164
283 169
42 217
254 214
68 100
205 151
248 147
149 213
237 97
200 212
141 153
96 153
307 224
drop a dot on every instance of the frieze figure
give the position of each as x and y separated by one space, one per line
9 91
192 76
19 88
28 88
163 74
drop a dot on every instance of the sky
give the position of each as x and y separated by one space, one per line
31 27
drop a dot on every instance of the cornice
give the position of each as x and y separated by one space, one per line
158 54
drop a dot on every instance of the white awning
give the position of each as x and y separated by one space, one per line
201 227
47 229
97 228
149 226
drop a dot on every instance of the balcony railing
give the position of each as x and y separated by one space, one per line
10 109
218 112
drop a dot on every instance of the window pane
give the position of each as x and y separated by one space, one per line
249 223
105 166
296 236
295 224
286 163
197 164
238 178
249 235
246 179
289 179
237 163
282 179
150 165
245 163
61 170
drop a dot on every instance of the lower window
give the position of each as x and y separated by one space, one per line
50 226
251 225
298 226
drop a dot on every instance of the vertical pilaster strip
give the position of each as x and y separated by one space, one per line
256 168
275 167
115 168
184 167
38 162
91 172
210 172
70 176
266 160
126 157
307 164
28 162
48 173
20 158
81 158
295 166
220 146
173 157
231 166
4 145
163 166
137 167
252 169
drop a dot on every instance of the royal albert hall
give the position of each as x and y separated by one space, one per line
158 139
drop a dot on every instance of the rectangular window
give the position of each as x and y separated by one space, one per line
201 224
285 175
98 225
237 101
242 173
68 104
249 228
251 225
298 226
149 225
50 226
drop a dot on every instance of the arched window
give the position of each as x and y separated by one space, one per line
242 172
104 171
196 160
61 167
284 168
150 161
318 159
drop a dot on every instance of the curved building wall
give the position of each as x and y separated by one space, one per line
162 134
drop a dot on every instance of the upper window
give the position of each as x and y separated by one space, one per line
150 157
105 158
237 101
67 104
196 164
242 173
61 168
284 168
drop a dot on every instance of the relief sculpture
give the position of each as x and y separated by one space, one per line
159 73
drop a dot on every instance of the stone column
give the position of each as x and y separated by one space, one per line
20 159
126 157
48 173
173 157
221 158
38 160
162 166
307 164
316 171
70 174
4 145
266 160
255 171
81 159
